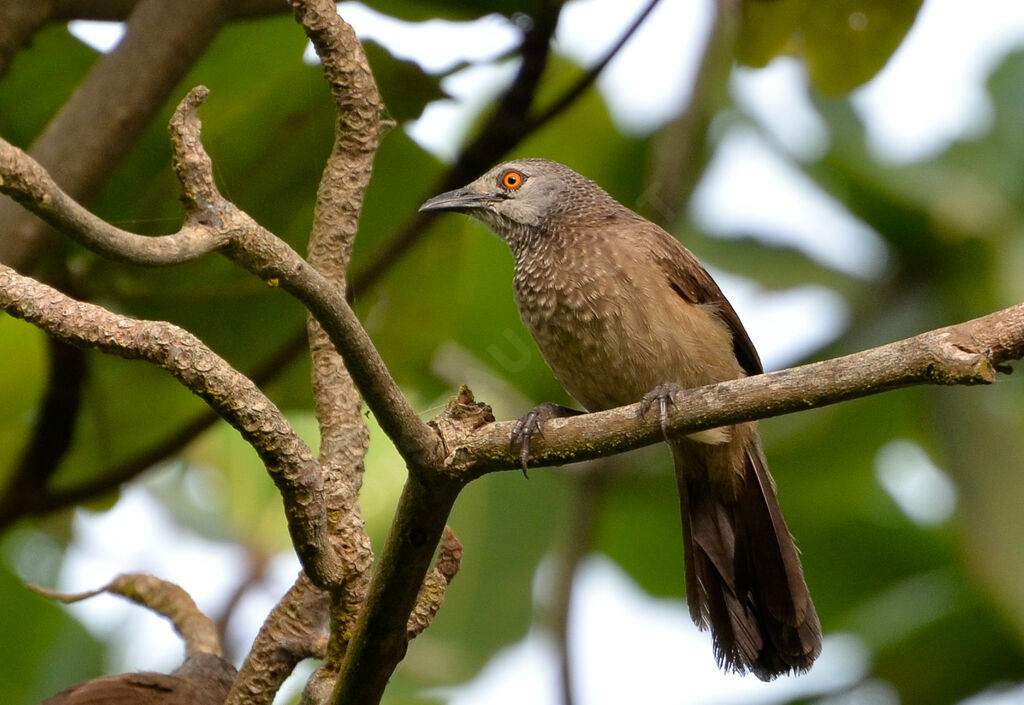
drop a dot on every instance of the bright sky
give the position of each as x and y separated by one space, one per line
930 94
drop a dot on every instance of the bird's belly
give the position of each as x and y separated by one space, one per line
610 350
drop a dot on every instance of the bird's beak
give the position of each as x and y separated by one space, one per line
460 199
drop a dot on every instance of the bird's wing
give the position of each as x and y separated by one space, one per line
691 281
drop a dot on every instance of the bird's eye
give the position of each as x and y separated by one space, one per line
512 180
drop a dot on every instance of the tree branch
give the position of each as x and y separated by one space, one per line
286 457
343 431
968 353
162 597
573 93
46 500
293 631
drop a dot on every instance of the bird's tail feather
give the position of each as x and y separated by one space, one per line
743 575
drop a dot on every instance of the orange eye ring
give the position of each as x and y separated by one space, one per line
512 180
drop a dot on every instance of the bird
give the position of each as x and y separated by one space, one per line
622 313
204 679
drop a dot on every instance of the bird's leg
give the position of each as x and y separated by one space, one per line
531 425
663 397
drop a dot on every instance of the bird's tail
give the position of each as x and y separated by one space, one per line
743 575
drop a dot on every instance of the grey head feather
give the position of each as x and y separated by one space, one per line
548 192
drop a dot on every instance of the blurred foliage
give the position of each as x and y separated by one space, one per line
941 609
843 42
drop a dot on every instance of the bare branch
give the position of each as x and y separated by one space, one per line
28 183
968 353
161 596
286 457
572 94
292 632
344 436
428 602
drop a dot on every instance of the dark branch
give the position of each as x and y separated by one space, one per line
573 93
46 500
51 433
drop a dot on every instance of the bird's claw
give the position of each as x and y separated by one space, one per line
663 396
531 425
526 429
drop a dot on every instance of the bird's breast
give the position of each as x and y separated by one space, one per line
611 328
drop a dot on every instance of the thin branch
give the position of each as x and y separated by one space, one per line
286 457
968 353
293 631
162 597
46 500
573 93
30 184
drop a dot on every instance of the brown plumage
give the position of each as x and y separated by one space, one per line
618 308
204 679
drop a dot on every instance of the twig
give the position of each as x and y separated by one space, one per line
587 80
162 597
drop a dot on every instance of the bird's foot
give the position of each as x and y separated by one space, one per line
531 425
663 397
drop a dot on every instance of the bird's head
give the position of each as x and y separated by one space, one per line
517 198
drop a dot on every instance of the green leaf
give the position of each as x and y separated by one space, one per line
844 43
